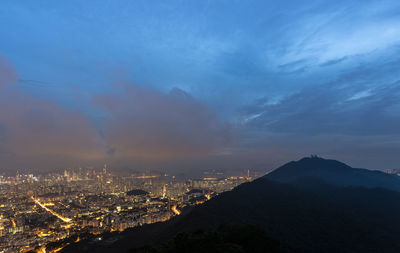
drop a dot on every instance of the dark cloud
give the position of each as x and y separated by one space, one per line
353 117
333 62
42 128
140 124
146 123
360 101
332 109
298 66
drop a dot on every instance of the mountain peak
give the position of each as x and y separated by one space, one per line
333 172
322 163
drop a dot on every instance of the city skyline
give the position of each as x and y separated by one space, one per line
47 212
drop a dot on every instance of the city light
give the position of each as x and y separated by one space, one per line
51 211
78 203
175 210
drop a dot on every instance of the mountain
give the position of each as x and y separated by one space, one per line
304 205
333 172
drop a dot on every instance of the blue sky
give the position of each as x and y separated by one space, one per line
262 82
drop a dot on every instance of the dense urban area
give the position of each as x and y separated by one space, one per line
40 209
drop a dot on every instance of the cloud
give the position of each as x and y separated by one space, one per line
38 132
8 74
333 62
138 124
38 127
327 34
359 100
332 109
143 122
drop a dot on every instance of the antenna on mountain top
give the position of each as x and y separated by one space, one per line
314 156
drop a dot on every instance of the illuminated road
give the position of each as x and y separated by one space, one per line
175 210
51 211
13 223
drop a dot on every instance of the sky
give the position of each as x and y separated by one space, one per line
192 85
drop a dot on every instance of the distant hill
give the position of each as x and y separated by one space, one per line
312 205
333 172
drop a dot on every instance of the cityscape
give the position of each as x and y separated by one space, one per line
40 209
205 126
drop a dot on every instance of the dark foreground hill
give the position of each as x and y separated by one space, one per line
305 212
224 239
